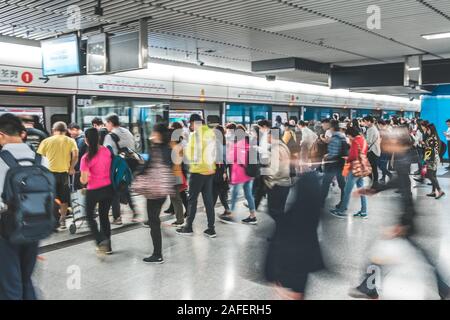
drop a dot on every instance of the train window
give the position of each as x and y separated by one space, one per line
246 114
60 117
180 115
282 115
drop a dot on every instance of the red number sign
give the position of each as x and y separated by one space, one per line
27 77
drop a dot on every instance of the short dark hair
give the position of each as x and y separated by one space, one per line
114 119
97 121
265 123
448 120
326 120
303 123
353 131
74 125
369 119
335 125
11 125
195 117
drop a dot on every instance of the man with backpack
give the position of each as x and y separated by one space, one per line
334 161
19 240
120 140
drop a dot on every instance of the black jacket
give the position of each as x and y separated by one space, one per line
295 251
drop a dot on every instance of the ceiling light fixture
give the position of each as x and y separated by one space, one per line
436 36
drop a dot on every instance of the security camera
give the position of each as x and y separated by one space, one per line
271 78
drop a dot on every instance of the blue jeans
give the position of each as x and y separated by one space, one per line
351 181
248 186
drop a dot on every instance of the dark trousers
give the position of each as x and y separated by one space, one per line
201 184
16 267
116 203
221 192
420 158
328 176
373 159
184 199
383 164
259 190
154 210
276 200
103 197
448 151
431 174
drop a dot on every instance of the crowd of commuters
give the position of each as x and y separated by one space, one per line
301 158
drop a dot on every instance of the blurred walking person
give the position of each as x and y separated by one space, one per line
155 184
294 251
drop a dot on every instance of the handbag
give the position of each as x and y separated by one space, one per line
156 182
361 167
346 170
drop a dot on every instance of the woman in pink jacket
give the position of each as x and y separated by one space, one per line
237 159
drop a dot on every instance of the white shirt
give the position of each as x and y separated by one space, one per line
126 140
19 151
447 134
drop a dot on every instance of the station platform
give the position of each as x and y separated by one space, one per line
231 265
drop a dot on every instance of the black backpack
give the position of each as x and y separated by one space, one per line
294 143
253 170
29 193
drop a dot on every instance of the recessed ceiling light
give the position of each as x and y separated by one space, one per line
436 36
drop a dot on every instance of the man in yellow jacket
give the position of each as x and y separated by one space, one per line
200 154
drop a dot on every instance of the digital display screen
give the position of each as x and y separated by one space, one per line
60 56
96 54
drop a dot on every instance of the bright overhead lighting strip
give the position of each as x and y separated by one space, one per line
436 36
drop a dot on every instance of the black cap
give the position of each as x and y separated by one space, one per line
195 118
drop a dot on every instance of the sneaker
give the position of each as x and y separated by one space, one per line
226 218
62 225
419 180
185 231
361 215
154 259
109 250
338 214
177 224
169 211
433 194
210 233
383 181
250 220
103 248
146 224
117 221
441 194
357 294
338 205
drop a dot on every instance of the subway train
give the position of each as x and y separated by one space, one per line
172 93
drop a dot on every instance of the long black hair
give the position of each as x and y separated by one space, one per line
92 138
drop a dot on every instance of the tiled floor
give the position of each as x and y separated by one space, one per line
229 267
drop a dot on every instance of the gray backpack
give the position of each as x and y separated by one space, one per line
29 193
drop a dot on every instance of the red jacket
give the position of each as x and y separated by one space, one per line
357 143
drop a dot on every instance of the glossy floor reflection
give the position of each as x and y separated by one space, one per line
229 267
